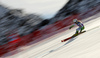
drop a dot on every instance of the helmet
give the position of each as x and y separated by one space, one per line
74 20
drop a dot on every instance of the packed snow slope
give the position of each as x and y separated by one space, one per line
86 45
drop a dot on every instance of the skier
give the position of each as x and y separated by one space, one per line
78 30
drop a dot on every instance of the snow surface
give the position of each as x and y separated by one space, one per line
86 45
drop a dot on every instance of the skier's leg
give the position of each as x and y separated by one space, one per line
82 28
77 30
76 33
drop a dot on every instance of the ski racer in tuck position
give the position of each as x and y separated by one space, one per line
78 30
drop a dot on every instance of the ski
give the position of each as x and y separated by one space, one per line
71 37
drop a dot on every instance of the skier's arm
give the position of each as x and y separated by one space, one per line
71 26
